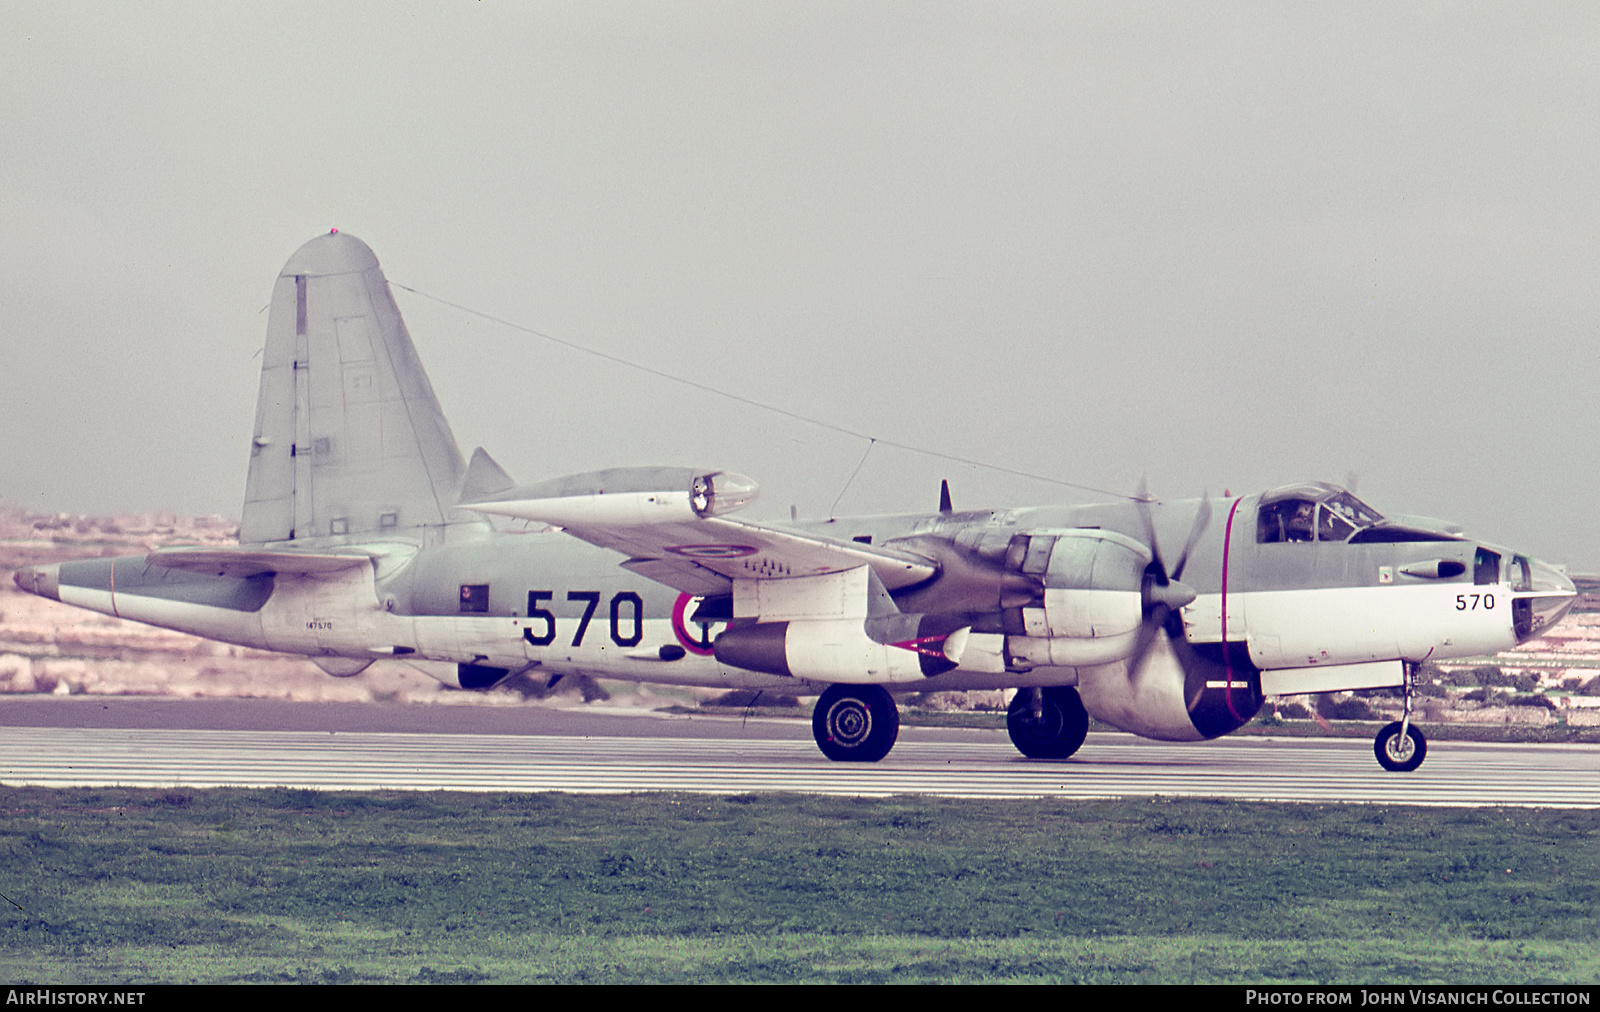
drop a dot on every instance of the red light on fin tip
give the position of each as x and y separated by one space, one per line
333 231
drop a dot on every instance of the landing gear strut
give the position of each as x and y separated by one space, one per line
1400 747
855 723
1048 723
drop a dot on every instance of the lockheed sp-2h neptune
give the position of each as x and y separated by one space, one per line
366 535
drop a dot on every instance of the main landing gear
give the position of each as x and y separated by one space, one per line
1400 747
1048 723
855 723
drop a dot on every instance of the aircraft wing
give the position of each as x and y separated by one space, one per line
705 556
666 522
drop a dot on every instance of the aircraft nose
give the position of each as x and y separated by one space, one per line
41 580
1541 596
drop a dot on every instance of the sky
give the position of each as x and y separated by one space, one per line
1212 247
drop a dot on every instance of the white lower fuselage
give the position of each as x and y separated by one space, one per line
630 632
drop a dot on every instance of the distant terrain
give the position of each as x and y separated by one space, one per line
49 647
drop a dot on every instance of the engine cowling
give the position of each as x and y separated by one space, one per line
872 651
1089 600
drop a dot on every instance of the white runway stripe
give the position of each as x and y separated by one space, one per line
1109 766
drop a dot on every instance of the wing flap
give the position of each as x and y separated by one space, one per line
696 580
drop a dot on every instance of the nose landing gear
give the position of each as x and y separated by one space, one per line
1400 747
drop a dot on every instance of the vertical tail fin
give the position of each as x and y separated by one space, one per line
349 438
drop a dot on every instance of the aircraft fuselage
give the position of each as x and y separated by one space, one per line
1302 615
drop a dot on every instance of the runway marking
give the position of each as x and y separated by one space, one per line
1110 766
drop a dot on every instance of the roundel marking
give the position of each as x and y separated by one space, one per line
713 551
698 645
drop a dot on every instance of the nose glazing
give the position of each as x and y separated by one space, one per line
1541 596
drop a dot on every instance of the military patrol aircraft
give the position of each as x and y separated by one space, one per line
365 535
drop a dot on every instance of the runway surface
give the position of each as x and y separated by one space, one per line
730 756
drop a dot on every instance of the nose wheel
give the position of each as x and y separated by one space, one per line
1401 747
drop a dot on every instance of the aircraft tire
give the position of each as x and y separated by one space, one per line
855 723
1394 755
1059 732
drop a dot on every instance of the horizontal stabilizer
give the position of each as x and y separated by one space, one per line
242 562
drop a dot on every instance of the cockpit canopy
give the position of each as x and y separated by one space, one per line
1317 511
1312 512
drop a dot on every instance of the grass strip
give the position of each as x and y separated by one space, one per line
123 885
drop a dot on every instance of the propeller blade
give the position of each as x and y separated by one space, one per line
1202 520
1164 593
1142 644
1142 500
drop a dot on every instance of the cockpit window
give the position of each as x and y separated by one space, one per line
1521 574
1286 520
1347 507
1331 526
1313 513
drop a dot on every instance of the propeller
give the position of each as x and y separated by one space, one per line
1173 687
1163 591
1166 586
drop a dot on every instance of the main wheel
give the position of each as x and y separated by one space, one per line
1059 729
855 723
1397 754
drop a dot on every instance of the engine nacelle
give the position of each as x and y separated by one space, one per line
873 651
1092 602
1176 691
